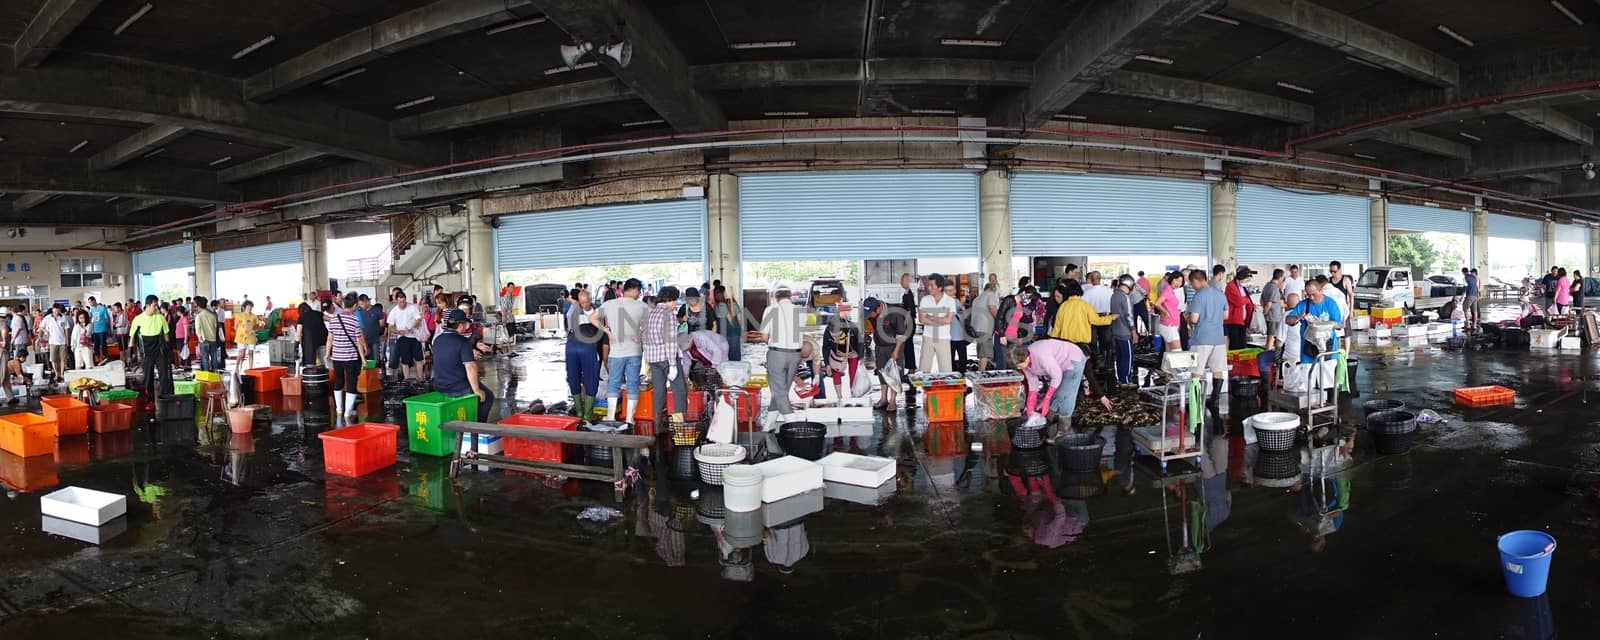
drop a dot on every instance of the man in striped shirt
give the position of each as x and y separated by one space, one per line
661 353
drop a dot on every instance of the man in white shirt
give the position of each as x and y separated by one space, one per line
1098 295
623 321
1293 285
936 311
780 327
55 330
405 322
984 311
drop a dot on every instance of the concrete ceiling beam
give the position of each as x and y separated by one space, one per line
1418 141
1104 37
1555 123
1329 28
130 207
84 86
77 214
51 24
1133 84
406 31
656 70
1519 159
1547 177
74 176
136 146
409 196
523 103
738 76
28 201
268 164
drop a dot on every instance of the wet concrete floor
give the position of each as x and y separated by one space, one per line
246 537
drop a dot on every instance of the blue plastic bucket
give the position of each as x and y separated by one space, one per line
1525 560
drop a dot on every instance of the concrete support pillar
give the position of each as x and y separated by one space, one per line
479 273
1480 240
723 261
1378 215
1594 251
994 224
1547 247
313 258
1224 222
203 283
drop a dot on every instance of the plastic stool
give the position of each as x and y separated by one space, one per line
216 404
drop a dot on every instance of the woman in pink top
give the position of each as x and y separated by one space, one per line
1167 308
1563 291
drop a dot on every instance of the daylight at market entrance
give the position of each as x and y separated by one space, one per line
977 319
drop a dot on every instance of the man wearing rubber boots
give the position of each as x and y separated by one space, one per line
151 335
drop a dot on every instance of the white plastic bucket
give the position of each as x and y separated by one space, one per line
741 487
1274 421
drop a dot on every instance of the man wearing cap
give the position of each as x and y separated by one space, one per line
780 329
1123 331
455 369
1240 308
662 355
890 331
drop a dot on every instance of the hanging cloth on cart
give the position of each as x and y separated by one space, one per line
1342 372
1197 402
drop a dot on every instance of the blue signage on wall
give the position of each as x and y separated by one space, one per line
11 267
25 267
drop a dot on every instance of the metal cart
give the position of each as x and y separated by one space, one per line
1154 439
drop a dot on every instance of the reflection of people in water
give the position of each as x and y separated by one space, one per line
1048 520
787 545
1322 507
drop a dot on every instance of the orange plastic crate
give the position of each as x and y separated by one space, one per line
370 381
267 378
1491 396
290 385
70 414
538 450
358 450
946 405
110 416
27 434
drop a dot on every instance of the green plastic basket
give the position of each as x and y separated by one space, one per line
118 394
426 412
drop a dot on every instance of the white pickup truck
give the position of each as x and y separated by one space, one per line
1393 286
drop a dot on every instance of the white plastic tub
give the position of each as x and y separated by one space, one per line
787 477
741 487
861 471
84 506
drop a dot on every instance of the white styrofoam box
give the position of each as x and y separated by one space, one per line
1409 330
86 506
1572 342
1546 338
861 471
82 532
1382 332
792 508
487 444
1361 323
869 496
788 476
848 429
1436 328
836 414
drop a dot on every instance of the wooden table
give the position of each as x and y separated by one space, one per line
622 447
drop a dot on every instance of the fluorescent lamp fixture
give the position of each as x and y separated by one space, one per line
571 67
113 198
514 25
1429 203
786 114
934 112
764 44
643 123
221 160
2 138
1188 128
252 48
1455 36
1155 59
1364 156
1469 136
504 188
132 19
1363 62
412 103
1216 18
1566 12
971 42
78 146
345 76
1070 116
157 152
396 203
1294 87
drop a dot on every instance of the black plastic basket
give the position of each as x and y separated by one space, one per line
1392 423
683 464
705 378
175 407
600 454
1277 465
1391 444
1025 437
1030 462
1080 452
1383 404
802 439
1244 387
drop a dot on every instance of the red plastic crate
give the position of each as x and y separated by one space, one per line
110 416
1491 396
268 378
71 414
538 450
358 450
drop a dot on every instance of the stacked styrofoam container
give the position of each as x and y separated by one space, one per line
84 514
788 476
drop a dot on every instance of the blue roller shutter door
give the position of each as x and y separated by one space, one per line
1279 226
1069 215
636 233
869 215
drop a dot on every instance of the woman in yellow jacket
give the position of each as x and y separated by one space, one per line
1075 317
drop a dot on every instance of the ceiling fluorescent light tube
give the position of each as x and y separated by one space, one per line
514 25
765 44
252 48
1188 128
786 114
1294 87
78 146
1566 12
971 42
1469 136
1455 36
413 103
934 112
221 160
346 75
1155 59
1216 18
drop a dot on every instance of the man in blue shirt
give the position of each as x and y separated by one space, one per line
1207 308
1473 292
455 370
1316 307
100 321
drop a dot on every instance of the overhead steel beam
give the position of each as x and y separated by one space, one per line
406 31
430 191
129 207
738 76
1518 159
1133 84
73 176
1103 38
28 201
1418 141
567 96
136 146
1572 185
1546 177
656 70
77 214
83 86
1308 21
51 24
1555 123
268 164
